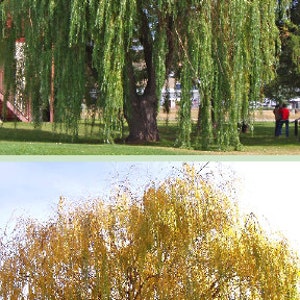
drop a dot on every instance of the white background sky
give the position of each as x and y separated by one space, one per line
270 189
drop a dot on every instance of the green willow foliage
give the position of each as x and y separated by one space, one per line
226 48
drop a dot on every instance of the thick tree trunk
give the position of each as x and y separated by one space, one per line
141 112
142 121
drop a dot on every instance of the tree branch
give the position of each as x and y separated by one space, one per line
147 43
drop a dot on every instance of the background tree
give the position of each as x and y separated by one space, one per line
183 239
287 81
225 48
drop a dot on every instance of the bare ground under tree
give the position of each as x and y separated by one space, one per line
261 115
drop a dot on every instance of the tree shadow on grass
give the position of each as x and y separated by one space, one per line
42 136
263 135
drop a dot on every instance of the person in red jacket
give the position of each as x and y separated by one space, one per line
285 115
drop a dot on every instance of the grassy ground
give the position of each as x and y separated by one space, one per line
23 139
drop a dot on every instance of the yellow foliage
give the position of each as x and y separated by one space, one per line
182 240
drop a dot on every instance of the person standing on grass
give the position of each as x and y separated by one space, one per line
285 115
277 115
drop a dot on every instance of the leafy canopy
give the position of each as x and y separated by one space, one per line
286 84
226 48
184 239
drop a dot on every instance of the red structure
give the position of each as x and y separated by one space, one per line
12 108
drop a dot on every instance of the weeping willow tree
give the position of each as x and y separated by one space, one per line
225 48
184 239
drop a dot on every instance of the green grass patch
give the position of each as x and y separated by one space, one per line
24 139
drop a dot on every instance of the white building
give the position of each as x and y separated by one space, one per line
295 103
171 92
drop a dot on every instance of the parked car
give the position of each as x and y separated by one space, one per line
255 104
269 102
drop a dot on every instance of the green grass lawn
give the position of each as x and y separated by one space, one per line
23 139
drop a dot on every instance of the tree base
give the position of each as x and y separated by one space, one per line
142 140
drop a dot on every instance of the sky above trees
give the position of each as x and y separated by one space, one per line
32 189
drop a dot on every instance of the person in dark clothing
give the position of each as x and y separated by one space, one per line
277 115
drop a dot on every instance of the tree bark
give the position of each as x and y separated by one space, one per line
52 88
142 122
142 111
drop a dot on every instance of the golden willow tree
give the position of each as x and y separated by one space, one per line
225 48
184 239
